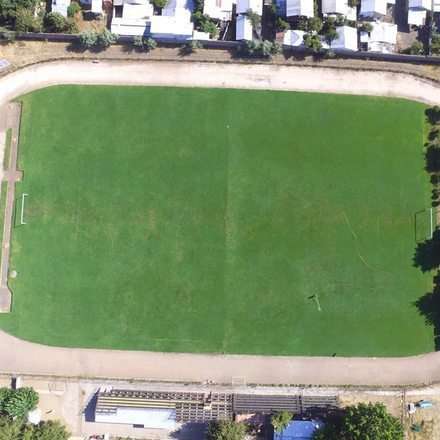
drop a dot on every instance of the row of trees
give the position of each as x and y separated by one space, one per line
93 39
360 422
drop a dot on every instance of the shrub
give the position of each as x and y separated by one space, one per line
73 9
314 24
416 48
312 42
20 402
55 22
106 38
88 39
24 20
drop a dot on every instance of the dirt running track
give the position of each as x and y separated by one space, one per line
18 356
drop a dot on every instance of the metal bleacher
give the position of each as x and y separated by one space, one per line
199 407
266 404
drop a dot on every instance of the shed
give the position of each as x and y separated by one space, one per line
303 8
158 418
299 430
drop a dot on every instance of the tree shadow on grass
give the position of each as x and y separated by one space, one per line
427 254
429 307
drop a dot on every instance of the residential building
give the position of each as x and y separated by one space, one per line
243 28
347 38
373 8
171 27
219 9
303 8
131 17
339 7
254 5
382 38
60 6
417 11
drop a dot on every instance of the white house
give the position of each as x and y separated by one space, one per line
339 7
373 8
303 8
60 6
436 6
382 38
131 17
293 38
181 8
254 5
219 9
243 28
173 27
417 11
347 38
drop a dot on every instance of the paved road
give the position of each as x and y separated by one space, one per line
18 356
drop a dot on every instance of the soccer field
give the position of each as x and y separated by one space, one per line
220 221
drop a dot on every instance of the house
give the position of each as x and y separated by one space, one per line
179 8
219 9
131 17
347 38
60 6
417 10
339 7
95 6
200 36
304 8
171 27
373 8
382 38
294 38
299 430
254 5
243 28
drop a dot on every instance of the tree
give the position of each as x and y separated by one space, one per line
55 22
282 25
254 18
5 394
314 24
51 430
9 9
280 420
105 38
144 43
88 39
160 3
363 421
330 35
73 9
20 402
10 429
226 430
24 20
313 42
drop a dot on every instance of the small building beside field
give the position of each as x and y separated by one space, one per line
347 38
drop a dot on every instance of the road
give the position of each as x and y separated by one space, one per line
18 356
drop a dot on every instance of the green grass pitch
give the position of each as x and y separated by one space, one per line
220 221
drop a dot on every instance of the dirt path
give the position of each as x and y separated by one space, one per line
19 356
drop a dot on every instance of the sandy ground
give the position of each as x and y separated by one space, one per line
23 357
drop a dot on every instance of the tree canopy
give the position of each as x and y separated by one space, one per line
280 420
363 422
225 430
17 403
